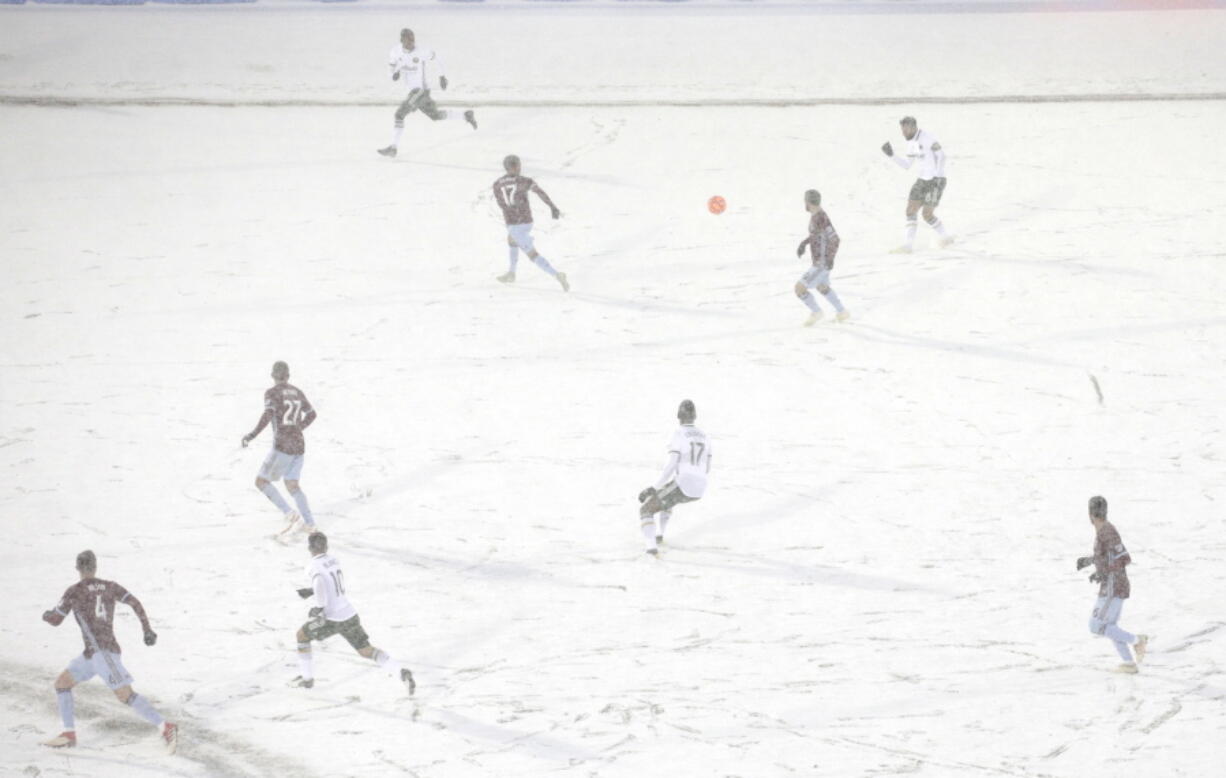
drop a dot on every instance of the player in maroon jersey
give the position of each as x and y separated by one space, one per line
290 413
511 193
92 601
1110 560
822 244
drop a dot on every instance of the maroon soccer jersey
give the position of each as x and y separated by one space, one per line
290 413
823 240
1110 559
511 192
93 602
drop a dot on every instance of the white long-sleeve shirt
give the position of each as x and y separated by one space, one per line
925 149
328 582
689 461
419 68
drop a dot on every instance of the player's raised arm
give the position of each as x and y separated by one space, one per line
553 209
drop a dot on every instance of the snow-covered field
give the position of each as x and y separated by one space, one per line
880 580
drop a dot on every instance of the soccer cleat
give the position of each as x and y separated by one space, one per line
814 318
659 540
842 316
901 250
388 151
66 739
562 280
170 734
1140 647
654 552
1128 668
406 678
470 118
507 277
299 682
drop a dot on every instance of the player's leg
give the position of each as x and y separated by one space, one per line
931 200
64 701
110 667
647 522
1122 639
801 288
292 474
513 260
522 235
823 288
306 663
662 524
353 632
914 202
431 109
271 470
668 498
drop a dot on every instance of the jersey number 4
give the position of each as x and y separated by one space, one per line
293 413
99 607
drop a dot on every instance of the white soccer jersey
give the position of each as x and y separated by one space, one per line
689 461
418 68
920 149
329 585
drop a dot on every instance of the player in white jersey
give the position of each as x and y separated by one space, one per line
417 69
334 614
926 192
684 478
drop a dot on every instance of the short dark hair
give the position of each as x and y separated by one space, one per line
280 371
317 542
907 120
87 561
1098 507
510 161
813 197
686 412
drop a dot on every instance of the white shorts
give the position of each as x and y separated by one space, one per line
815 277
521 235
278 465
107 666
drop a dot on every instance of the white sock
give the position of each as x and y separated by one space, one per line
145 710
810 301
936 225
396 133
384 660
648 525
910 233
513 255
306 665
833 299
543 264
662 522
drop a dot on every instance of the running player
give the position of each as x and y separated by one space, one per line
928 188
416 69
823 244
332 615
684 478
511 193
92 602
1110 560
290 413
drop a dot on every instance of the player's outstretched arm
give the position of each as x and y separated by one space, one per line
553 209
56 615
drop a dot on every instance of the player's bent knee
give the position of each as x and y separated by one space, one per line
800 290
824 289
125 694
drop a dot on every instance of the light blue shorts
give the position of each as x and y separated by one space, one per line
278 465
107 666
521 235
816 277
1106 612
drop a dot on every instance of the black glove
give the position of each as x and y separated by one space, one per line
305 593
246 440
49 617
442 83
800 250
647 494
556 213
396 76
151 637
887 149
1084 561
1096 577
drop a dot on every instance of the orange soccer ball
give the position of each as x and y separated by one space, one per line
716 205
